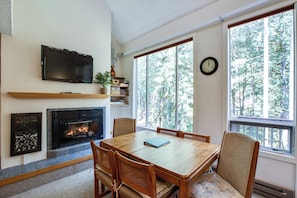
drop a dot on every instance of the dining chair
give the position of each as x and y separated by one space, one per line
235 173
104 170
137 179
122 126
168 131
195 136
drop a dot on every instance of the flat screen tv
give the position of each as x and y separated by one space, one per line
65 65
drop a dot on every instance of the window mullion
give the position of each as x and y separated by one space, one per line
146 91
176 89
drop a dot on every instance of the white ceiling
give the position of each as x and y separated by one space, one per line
134 18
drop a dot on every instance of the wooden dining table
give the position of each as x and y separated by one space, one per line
180 162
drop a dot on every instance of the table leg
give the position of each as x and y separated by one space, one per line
184 189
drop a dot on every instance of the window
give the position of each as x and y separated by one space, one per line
261 82
165 87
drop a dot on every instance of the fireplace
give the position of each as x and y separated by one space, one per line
74 126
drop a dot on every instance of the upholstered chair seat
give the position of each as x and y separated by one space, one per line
212 185
235 173
105 178
164 189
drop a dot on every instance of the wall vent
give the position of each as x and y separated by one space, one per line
271 191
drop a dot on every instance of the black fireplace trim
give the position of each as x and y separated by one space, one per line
81 111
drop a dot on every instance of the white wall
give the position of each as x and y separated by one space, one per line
210 110
118 111
83 26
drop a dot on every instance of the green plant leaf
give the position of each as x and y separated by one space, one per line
103 79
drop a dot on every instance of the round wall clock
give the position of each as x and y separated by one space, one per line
209 65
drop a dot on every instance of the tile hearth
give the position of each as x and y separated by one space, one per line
54 157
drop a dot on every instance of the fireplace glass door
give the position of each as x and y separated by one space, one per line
76 126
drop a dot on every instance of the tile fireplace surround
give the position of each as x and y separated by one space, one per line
54 156
64 127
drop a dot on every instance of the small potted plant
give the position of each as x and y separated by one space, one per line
104 79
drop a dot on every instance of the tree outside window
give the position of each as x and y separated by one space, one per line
261 67
165 87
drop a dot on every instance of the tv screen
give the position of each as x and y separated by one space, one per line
65 65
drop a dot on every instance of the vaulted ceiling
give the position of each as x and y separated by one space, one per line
133 18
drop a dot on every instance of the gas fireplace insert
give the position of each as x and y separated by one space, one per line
75 126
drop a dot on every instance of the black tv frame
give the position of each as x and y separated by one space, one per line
65 65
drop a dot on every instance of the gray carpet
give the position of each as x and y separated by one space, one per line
79 185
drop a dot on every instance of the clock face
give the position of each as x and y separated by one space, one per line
209 66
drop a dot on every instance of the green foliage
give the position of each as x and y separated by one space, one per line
165 88
103 79
262 78
261 52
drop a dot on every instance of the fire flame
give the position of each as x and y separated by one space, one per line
75 130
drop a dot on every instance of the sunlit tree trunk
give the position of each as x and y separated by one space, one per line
265 76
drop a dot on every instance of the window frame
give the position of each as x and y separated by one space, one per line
177 42
262 122
284 125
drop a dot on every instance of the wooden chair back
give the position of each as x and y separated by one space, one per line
195 136
168 131
237 161
104 170
140 177
122 126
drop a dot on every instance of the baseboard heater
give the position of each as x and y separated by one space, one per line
270 191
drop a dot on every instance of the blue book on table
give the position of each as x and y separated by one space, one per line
156 142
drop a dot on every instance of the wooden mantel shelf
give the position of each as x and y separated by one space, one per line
55 95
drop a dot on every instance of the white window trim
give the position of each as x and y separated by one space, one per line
226 78
154 47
